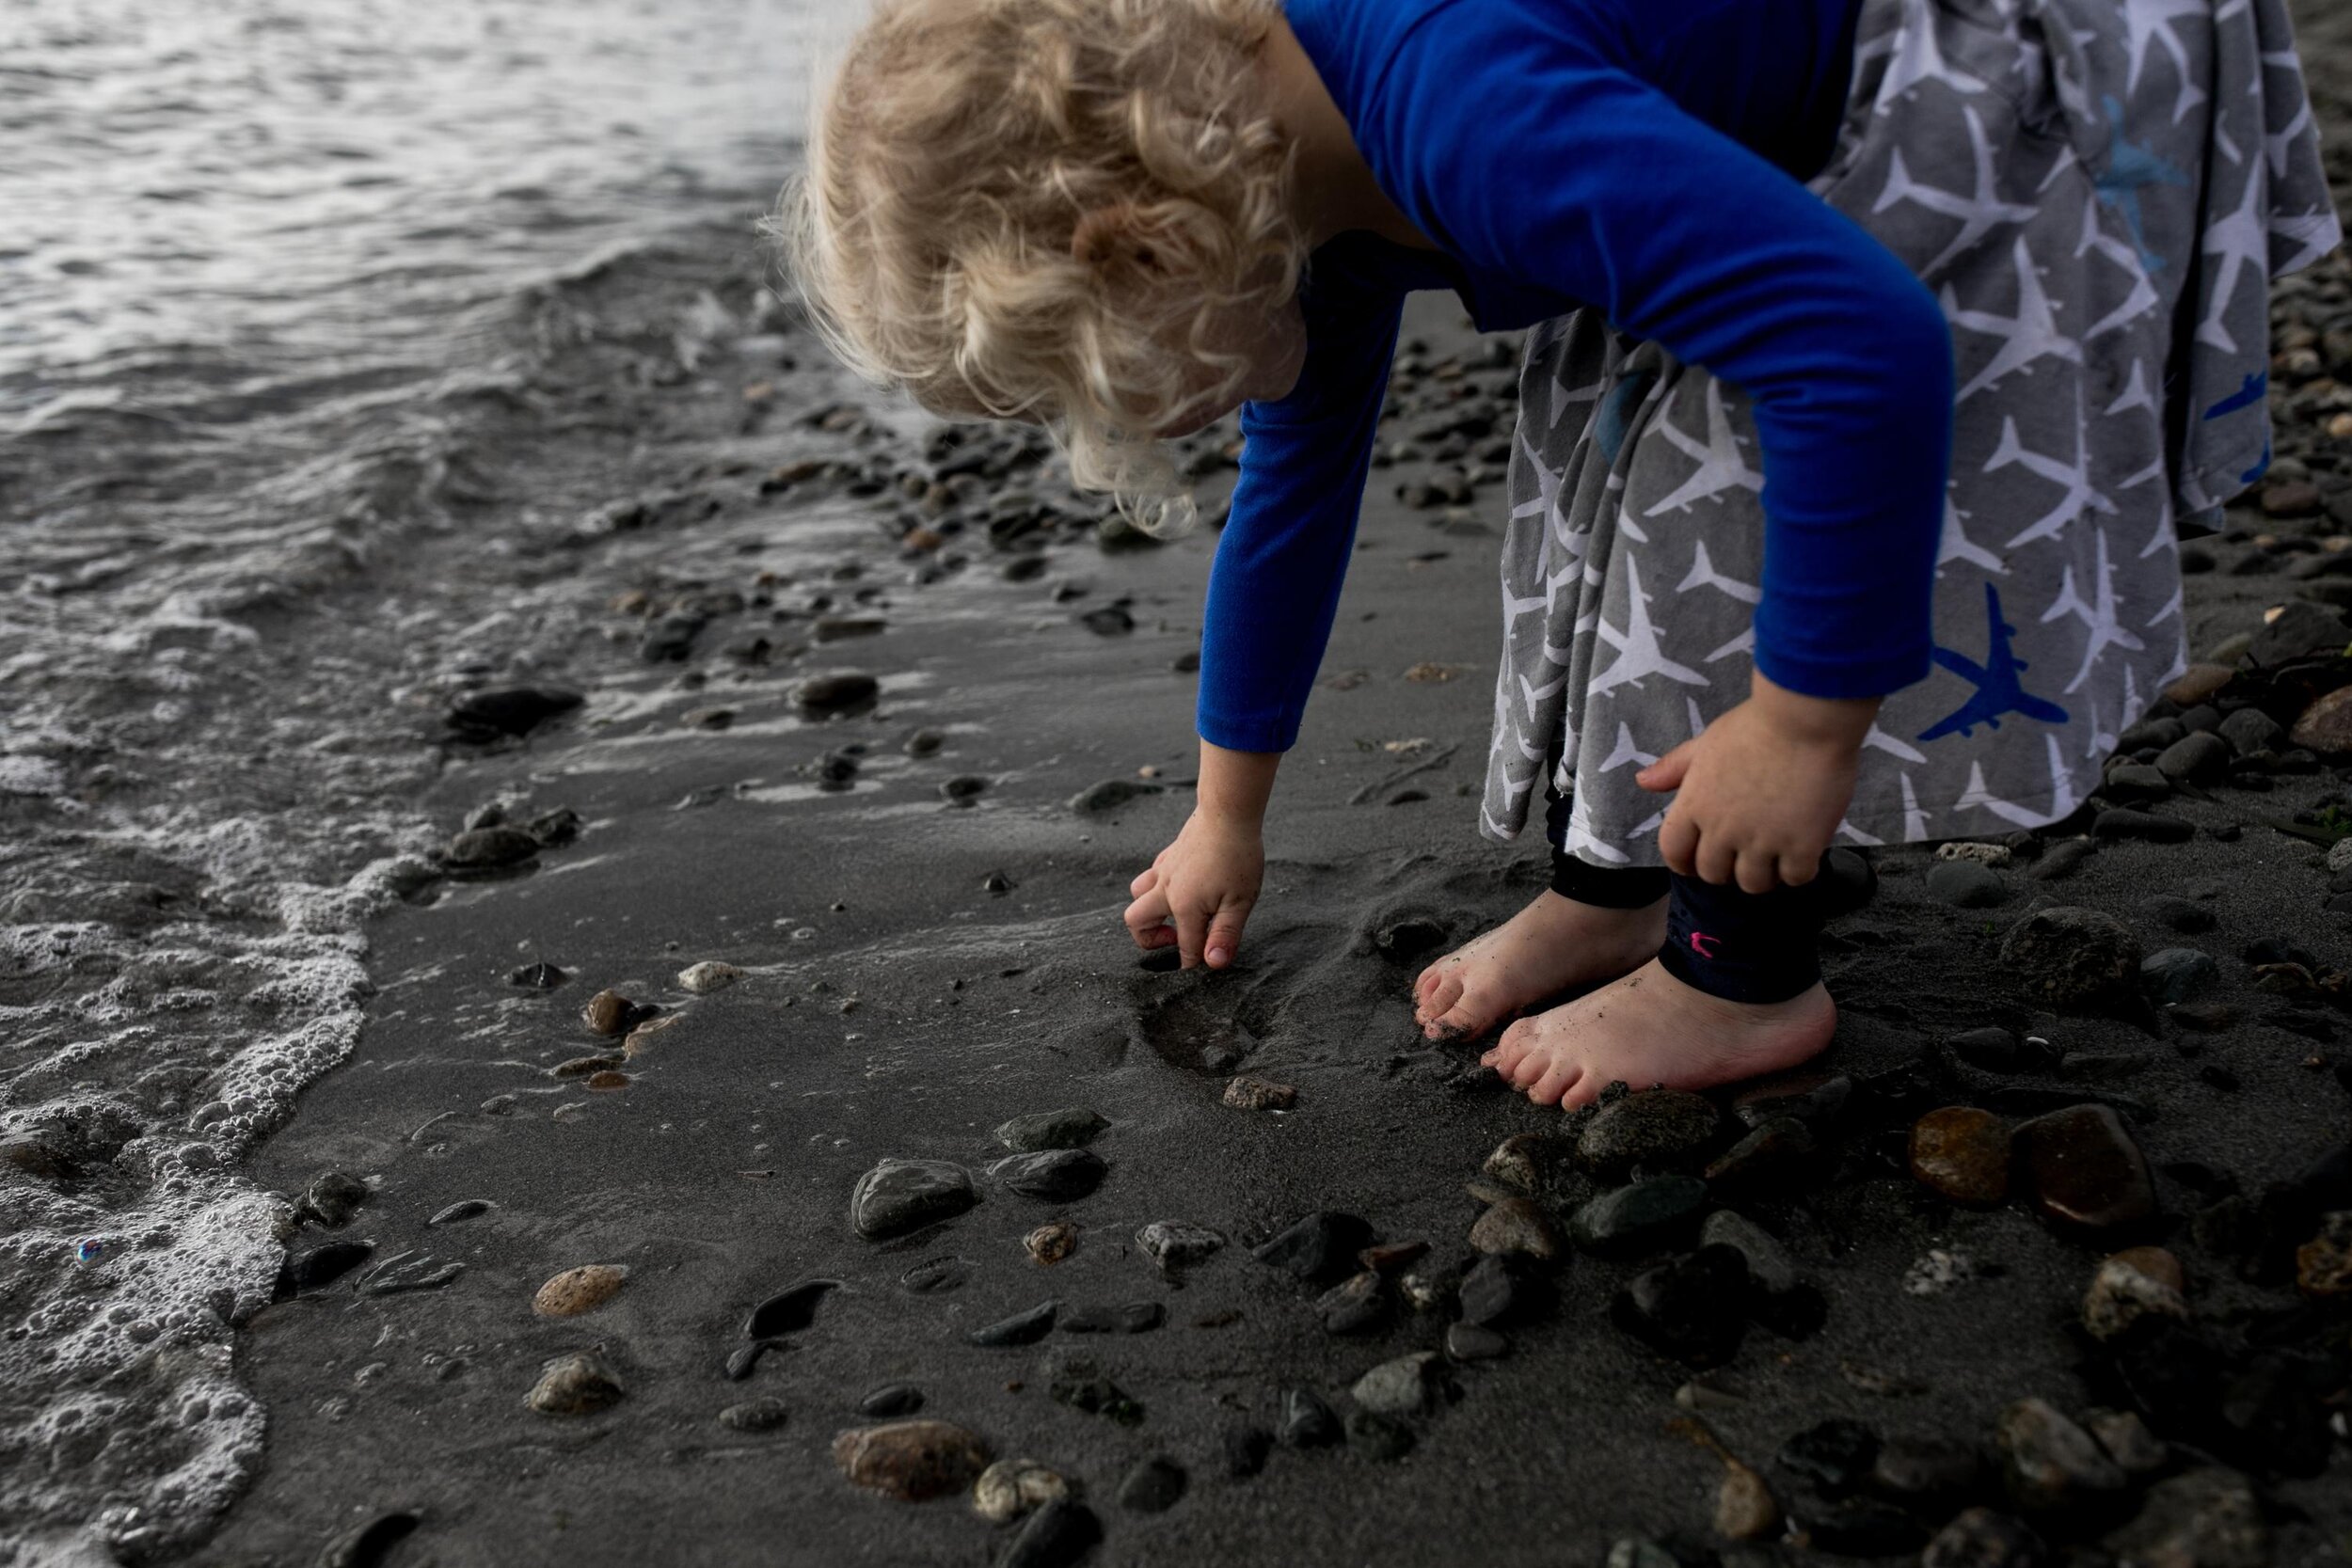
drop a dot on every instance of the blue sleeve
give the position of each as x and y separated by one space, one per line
1275 584
1519 150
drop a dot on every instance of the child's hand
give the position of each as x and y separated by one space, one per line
1206 882
1762 789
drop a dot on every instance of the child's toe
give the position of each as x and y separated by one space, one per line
1558 1079
1438 1000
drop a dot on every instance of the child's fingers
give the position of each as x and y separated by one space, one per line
1666 773
1756 870
1146 879
1715 861
1678 844
1146 916
1797 870
1224 939
1192 930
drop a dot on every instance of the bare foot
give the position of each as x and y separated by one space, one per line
1650 1029
1546 948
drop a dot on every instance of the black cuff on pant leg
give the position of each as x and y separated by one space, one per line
1607 887
1756 948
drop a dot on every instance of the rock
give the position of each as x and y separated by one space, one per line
1247 1449
2085 1171
2326 725
1052 1241
2130 781
1393 1256
790 1311
899 1195
707 976
1770 1269
1690 1308
1470 1342
760 1415
1051 1175
1022 1328
1521 1161
1307 1422
2299 628
1258 1094
1320 1249
1962 1154
2204 1518
1994 855
744 1360
2196 758
576 1384
2250 730
836 693
1012 1487
1925 1473
2171 975
514 710
2323 1265
609 1013
1074 1127
1746 1508
1816 1099
1640 1218
581 1290
1055 1536
1153 1486
2120 1295
1408 1385
1354 1306
1835 1455
324 1265
891 1399
1494 1293
1966 885
1777 1152
1377 1437
1656 1129
1516 1225
1109 795
2118 823
486 848
1997 1050
1135 1317
2127 1441
2068 957
1173 1243
2199 683
2053 1465
332 1199
2061 860
1981 1538
1633 1552
911 1461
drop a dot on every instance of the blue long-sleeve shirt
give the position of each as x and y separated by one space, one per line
1644 157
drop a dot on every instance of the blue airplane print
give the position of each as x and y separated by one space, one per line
1997 692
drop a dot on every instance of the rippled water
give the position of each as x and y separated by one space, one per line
276 280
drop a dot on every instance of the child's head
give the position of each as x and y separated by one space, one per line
1072 211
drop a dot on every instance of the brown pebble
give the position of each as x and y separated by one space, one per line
1259 1094
607 1079
2122 1293
1962 1152
911 1460
1746 1508
1392 1257
2197 683
2087 1173
2156 1263
1052 1241
576 1384
1516 1225
2323 1265
575 1291
2325 726
607 1013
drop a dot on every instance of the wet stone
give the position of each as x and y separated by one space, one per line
1495 1292
581 1290
2085 1171
1516 1225
1856 1527
609 1013
486 849
1396 1255
1467 1342
1354 1306
1259 1094
537 976
1769 1270
1690 1308
1746 1508
1022 1328
1051 1243
1052 1176
515 710
331 1198
2052 1465
464 1208
836 692
1656 1129
911 1461
899 1195
2066 957
1012 1487
1640 1218
1307 1422
1054 1536
327 1264
1962 1154
760 1415
1813 1098
2205 1518
1154 1486
744 1360
1072 1126
891 1399
576 1385
1320 1249
1520 1162
1174 1243
790 1309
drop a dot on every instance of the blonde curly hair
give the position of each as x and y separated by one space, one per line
957 155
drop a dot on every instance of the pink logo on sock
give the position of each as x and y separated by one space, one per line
1698 937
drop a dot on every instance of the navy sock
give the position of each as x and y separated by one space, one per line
1743 946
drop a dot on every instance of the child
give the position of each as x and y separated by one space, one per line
1883 342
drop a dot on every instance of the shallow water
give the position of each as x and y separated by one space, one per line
278 280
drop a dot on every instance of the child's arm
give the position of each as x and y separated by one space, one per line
1207 880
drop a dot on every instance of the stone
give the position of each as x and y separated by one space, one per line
515 710
1153 1486
1962 1154
1656 1129
1022 1328
1835 1455
790 1311
1133 1317
1072 1126
744 1360
1770 1269
609 1013
2297 629
1307 1422
1054 1536
2128 1442
707 976
1320 1249
2202 1518
1174 1243
1470 1342
1012 1487
2120 1295
891 1399
1051 1175
1966 885
1521 1161
1633 1552
899 1195
1495 1292
2051 1464
1378 1437
765 1414
1981 1538
2085 1172
2249 730
486 848
2119 823
579 1383
2199 683
1258 1094
2061 860
1994 855
332 1199
1776 1152
1052 1241
836 691
2171 975
2196 758
2326 725
1925 1473
1247 1449
1853 1527
911 1461
1640 1218
2068 957
2323 1265
1393 1256
1110 796
1691 1309
1816 1099
1746 1508
581 1290
1516 1225
1408 1385
324 1265
1354 1306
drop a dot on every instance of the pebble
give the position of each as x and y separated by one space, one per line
1354 1306
2250 730
1153 1486
1392 1257
760 1415
1052 1241
744 1360
2199 683
1640 1218
1981 1538
2122 1293
1516 1225
2053 1465
2068 957
1022 1328
836 693
1926 1472
1054 1536
1994 855
790 1311
1377 1437
707 976
1520 1161
1816 1099
1320 1249
2061 860
1494 1292
936 1276
1307 1422
486 849
1998 1050
332 1198
2128 1442
891 1399
1746 1508
515 711
1657 1128
608 1013
1770 1269
325 1263
2323 1265
1633 1552
1072 1126
2119 822
1051 1175
911 1461
584 1067
2202 1518
2085 1171
1775 1152
2171 975
899 1195
1012 1487
581 1290
1408 1385
579 1383
1962 1154
1836 1455
1109 795
1690 1308
2326 725
1259 1094
2197 758
1173 1243
1966 885
1467 1342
